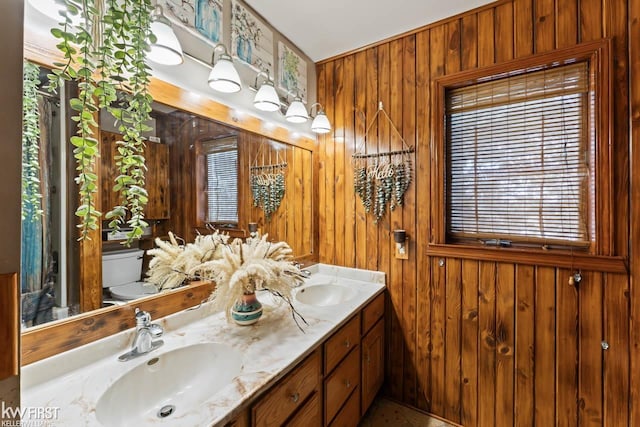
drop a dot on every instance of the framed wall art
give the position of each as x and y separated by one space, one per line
251 39
292 72
203 18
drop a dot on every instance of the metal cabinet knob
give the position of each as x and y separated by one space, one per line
605 345
295 397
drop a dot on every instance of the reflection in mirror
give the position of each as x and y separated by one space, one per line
44 266
198 176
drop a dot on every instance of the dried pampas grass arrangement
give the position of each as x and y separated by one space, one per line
238 268
173 264
254 265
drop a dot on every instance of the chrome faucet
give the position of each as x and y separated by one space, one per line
143 342
304 273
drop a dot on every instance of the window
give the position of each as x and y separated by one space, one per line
520 154
221 163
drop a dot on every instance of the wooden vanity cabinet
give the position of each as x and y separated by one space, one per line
372 364
242 420
284 400
336 384
342 367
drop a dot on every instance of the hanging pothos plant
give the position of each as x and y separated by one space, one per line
105 54
31 197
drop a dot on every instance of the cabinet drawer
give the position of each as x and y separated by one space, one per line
349 415
285 398
372 312
341 343
341 383
309 415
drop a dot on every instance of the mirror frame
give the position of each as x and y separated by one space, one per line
47 340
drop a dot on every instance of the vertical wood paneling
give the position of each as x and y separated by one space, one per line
590 20
360 245
469 42
394 109
338 155
615 25
634 95
422 170
485 343
544 25
545 344
566 349
469 386
328 249
453 337
349 143
437 372
504 32
486 41
372 147
321 72
408 221
589 338
616 359
525 346
566 23
523 27
505 344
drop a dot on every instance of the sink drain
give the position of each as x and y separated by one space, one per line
166 410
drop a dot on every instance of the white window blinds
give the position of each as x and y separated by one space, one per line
518 158
222 180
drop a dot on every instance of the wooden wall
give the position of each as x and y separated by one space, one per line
293 222
485 342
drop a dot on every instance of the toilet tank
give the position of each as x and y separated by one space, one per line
121 267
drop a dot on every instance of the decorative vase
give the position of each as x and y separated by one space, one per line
247 310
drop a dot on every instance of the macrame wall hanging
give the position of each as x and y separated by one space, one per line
381 179
268 184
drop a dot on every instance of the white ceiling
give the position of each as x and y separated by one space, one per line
326 28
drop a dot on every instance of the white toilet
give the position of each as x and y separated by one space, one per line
121 274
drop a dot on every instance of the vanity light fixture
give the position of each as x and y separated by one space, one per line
55 9
223 76
297 113
320 123
266 98
166 50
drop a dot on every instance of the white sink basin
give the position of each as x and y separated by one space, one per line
168 385
326 294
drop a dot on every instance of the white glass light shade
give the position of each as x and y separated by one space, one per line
166 50
297 113
267 98
321 123
224 76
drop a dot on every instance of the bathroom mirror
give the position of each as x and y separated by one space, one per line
199 177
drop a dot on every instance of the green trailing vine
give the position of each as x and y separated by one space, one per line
31 197
105 54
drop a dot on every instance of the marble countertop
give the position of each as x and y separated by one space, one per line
74 381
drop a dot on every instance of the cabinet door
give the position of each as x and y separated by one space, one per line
372 364
157 180
288 396
309 415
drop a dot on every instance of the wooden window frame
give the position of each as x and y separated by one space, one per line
597 53
201 188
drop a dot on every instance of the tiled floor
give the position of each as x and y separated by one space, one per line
384 413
